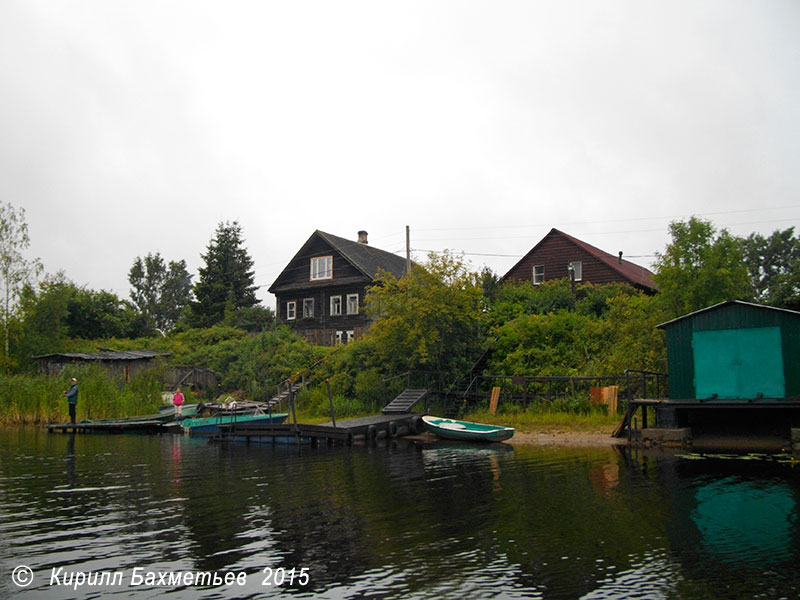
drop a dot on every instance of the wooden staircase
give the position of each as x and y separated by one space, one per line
283 394
402 404
460 393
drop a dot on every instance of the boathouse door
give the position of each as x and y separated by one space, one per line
738 363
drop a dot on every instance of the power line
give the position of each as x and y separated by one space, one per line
623 220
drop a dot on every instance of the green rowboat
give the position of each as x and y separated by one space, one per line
466 431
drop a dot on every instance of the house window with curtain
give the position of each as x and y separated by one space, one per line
291 310
321 268
336 306
352 304
576 267
308 308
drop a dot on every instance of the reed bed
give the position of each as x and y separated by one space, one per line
36 399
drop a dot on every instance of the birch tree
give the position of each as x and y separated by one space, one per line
15 269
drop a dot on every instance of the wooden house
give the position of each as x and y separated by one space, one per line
558 255
125 364
320 293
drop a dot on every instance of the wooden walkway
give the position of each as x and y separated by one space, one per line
705 405
112 427
345 432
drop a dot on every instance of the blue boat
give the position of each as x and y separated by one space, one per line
210 425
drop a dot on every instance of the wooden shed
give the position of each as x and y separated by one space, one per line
734 350
125 364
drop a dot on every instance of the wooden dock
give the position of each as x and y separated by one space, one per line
708 405
122 426
343 432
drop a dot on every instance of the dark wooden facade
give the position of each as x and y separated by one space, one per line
327 307
195 378
552 256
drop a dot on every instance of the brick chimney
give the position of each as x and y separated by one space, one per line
362 237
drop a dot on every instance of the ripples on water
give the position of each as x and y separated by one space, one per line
399 520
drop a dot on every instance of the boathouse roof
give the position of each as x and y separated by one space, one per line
715 307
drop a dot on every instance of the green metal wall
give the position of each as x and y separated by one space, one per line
680 355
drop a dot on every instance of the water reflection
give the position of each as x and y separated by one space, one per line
743 521
400 519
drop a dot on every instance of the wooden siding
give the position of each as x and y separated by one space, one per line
119 368
297 286
680 355
297 275
555 252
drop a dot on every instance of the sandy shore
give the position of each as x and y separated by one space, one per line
565 438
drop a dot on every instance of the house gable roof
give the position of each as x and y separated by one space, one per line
366 259
635 274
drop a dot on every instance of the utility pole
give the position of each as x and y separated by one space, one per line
408 249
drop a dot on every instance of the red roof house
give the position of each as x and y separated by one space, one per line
557 252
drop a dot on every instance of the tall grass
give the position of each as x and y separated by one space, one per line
38 398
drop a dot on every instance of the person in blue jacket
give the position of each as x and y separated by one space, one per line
72 399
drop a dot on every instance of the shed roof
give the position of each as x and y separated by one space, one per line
722 304
106 355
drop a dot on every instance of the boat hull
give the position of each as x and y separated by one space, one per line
466 431
210 425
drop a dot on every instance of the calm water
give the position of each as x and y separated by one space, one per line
399 520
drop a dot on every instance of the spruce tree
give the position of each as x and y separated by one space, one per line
226 280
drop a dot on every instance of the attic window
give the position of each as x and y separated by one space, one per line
576 267
321 268
538 274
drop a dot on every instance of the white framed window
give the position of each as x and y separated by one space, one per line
350 335
352 304
339 337
336 306
321 268
291 310
576 267
308 308
538 274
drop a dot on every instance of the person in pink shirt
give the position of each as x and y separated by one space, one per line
177 402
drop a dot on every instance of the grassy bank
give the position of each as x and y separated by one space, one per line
546 421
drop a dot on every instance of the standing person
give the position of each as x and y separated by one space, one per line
177 401
72 399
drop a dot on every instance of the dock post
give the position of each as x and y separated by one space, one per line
330 401
291 403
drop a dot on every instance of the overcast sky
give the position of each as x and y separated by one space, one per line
135 127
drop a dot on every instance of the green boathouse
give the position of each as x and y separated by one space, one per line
734 350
